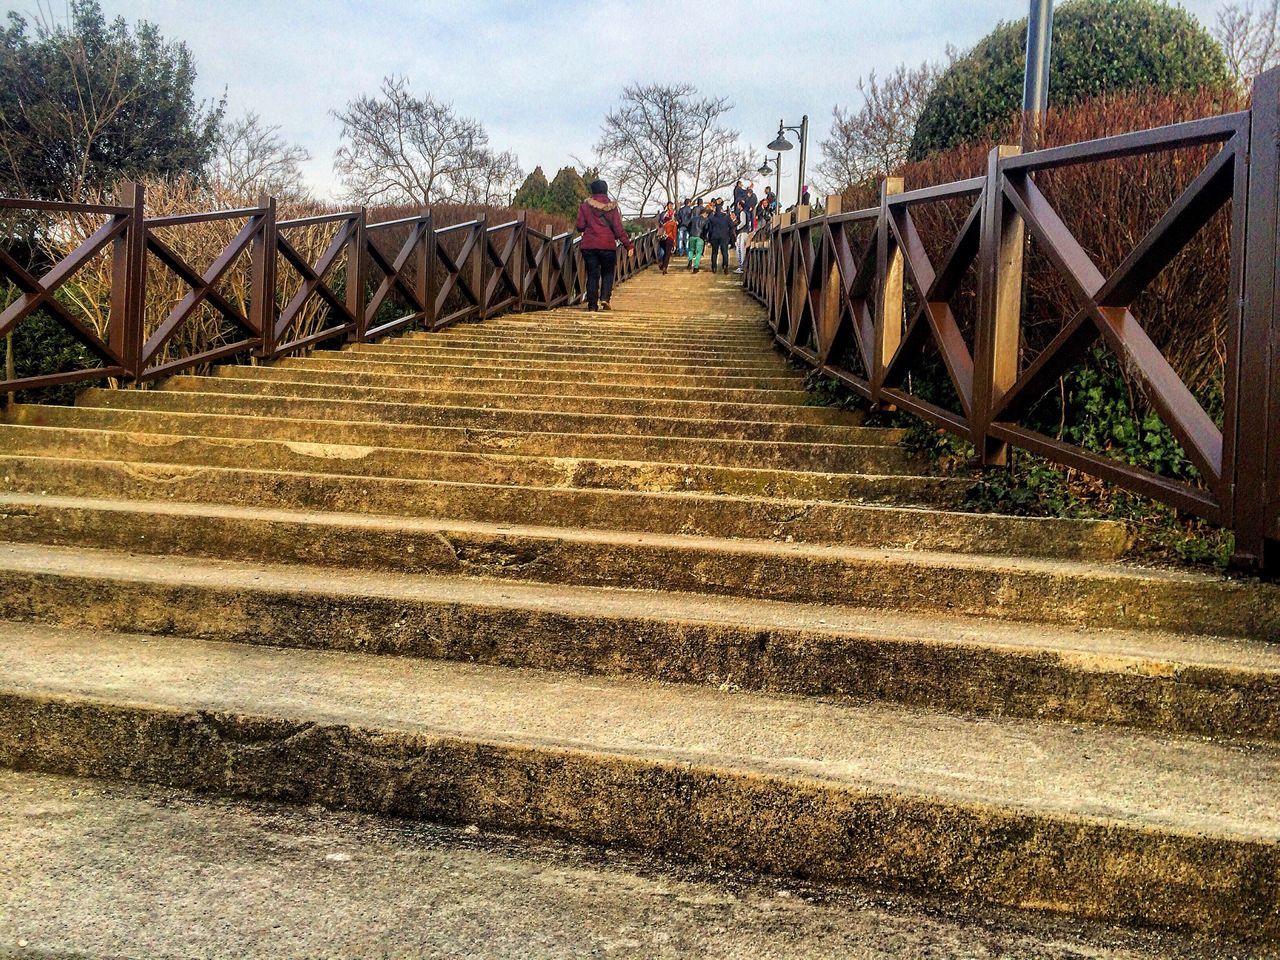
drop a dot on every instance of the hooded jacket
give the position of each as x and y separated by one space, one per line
600 223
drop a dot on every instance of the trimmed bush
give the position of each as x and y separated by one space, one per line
1099 47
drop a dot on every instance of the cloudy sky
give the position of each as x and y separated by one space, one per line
540 75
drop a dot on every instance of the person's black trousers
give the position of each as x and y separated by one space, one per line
664 254
721 247
600 266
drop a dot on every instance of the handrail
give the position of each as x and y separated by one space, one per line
336 282
839 305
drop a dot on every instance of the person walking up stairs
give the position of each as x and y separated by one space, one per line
600 223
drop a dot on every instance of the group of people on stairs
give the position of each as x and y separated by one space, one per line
687 230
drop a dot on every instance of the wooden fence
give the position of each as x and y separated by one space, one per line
840 306
432 278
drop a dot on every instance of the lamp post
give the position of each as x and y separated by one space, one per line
782 143
764 171
1035 86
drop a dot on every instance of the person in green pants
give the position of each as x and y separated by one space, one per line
697 230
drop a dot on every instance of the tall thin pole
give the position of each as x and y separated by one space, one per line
777 181
804 149
1035 88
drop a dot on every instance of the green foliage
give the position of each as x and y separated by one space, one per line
532 194
42 346
560 197
1099 46
566 193
1100 417
141 120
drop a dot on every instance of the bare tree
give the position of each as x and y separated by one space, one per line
400 148
491 181
253 157
1250 37
873 140
665 140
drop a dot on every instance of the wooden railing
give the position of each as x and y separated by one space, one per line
839 305
420 275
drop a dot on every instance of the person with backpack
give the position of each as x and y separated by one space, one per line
600 223
720 234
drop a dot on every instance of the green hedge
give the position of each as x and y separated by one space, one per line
1099 46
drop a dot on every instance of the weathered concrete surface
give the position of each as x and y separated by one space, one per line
1089 821
479 418
778 381
587 434
568 401
692 513
92 869
880 482
1178 683
826 457
1013 588
586 359
482 382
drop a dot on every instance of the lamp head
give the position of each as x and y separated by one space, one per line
782 143
765 170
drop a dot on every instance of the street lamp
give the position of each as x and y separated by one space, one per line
782 143
765 170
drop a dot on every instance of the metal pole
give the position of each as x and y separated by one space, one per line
777 181
804 147
1035 88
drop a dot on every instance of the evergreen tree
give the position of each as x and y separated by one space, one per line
86 103
532 194
566 193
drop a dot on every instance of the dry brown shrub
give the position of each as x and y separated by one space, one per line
1108 206
200 244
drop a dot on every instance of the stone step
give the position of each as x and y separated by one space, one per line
710 451
552 341
916 587
694 514
304 371
245 380
657 360
1096 822
708 321
534 333
879 483
475 418
338 360
99 852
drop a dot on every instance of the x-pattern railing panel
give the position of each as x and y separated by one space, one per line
38 293
815 281
203 289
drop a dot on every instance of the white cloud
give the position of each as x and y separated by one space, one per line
541 75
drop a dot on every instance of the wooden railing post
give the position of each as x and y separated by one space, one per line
481 253
889 299
519 251
999 320
430 287
829 302
1253 419
128 283
355 274
262 296
420 275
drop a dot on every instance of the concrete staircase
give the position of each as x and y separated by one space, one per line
639 595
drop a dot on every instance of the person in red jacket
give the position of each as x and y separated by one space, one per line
600 223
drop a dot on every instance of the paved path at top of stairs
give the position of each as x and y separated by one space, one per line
641 593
